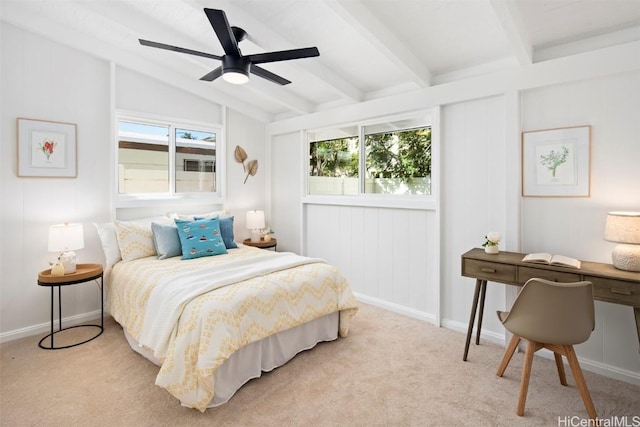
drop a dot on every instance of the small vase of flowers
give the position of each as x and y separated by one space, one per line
266 234
491 242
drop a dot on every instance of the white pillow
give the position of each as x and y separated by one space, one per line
189 217
109 240
135 238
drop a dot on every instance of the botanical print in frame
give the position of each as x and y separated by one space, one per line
46 149
556 162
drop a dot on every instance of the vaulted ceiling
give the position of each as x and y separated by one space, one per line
368 48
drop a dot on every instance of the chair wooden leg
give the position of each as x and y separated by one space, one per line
526 374
508 354
580 381
560 366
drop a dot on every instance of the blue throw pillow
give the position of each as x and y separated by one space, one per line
200 238
166 240
226 228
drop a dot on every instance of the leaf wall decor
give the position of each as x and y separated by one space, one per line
252 169
240 156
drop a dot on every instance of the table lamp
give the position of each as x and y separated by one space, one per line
255 222
65 238
624 228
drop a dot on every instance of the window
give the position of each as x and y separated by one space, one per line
333 166
397 159
162 157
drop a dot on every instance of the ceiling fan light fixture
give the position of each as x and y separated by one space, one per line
235 77
235 69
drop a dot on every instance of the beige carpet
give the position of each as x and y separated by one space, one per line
390 371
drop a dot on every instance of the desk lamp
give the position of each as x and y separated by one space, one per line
624 228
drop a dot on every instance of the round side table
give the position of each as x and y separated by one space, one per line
273 243
84 273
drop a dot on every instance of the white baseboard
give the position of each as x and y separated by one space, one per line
600 368
497 338
45 328
396 308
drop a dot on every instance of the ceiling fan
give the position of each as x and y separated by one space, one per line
235 66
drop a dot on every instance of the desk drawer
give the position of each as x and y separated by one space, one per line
526 273
492 271
616 291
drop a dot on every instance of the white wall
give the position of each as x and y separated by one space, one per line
286 191
575 226
43 80
481 122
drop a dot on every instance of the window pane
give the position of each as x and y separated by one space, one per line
195 161
143 158
398 161
333 166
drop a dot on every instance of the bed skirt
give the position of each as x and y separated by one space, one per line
261 356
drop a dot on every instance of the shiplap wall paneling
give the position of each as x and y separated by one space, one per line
574 226
383 252
473 201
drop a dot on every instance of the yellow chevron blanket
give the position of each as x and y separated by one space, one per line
245 301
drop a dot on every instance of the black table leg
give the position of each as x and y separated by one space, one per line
472 318
483 293
59 308
52 316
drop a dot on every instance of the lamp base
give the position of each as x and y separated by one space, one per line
255 236
68 260
626 257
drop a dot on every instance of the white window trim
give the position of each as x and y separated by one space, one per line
405 201
159 199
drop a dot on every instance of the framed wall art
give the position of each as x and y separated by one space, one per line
46 149
556 162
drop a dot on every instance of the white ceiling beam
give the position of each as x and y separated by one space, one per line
359 17
584 66
600 41
514 29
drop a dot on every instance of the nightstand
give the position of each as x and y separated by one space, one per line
273 243
84 273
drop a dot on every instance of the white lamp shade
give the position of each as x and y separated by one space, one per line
255 220
65 237
623 227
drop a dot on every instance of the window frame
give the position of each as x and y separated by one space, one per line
405 201
171 196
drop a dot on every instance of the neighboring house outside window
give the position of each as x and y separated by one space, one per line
166 158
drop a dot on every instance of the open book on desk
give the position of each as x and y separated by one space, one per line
545 258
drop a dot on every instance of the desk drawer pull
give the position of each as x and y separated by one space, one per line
488 270
621 291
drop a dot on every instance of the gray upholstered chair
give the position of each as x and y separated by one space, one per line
555 316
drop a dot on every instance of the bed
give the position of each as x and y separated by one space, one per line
212 323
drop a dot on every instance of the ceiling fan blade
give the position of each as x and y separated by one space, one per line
178 49
220 25
209 77
283 55
261 72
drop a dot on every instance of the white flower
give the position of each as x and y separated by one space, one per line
493 238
